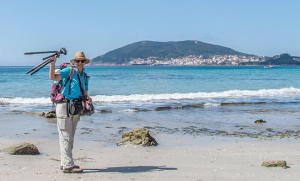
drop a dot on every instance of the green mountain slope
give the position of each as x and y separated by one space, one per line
145 49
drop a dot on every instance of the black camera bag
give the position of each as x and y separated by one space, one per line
75 106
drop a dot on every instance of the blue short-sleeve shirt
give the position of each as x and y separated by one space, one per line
75 91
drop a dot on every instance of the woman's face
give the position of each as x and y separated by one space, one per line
79 63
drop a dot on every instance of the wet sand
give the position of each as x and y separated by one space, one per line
108 127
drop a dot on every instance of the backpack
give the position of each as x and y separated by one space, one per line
57 87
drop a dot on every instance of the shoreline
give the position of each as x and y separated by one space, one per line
211 159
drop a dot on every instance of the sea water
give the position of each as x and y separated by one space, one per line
195 100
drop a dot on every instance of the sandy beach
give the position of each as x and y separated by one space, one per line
208 158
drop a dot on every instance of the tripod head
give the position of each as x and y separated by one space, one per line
46 59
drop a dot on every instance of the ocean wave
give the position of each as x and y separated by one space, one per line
200 95
176 96
20 100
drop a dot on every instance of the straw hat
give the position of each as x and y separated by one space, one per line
80 55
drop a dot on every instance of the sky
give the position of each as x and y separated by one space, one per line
260 27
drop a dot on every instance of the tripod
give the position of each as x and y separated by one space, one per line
46 61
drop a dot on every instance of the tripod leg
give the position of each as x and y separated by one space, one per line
37 66
45 60
30 53
48 61
57 53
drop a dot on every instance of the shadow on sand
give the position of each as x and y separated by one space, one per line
128 169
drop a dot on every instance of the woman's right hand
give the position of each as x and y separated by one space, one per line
54 58
52 75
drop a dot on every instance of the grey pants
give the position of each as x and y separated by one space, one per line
66 129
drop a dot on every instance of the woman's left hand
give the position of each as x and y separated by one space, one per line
89 100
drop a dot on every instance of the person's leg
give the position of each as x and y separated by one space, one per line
65 130
75 120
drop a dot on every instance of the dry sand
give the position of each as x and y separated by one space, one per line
211 159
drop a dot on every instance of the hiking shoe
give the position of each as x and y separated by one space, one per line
73 170
75 166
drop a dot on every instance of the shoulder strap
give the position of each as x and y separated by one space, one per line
85 78
69 79
80 84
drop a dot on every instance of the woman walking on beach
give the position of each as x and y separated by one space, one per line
66 122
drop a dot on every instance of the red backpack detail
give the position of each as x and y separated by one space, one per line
57 87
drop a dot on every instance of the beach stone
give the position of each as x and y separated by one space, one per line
273 163
22 149
50 114
137 136
260 121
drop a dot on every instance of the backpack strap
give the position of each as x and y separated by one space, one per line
83 98
69 79
85 78
80 84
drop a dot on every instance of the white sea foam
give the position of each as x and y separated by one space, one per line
200 95
211 105
176 96
19 100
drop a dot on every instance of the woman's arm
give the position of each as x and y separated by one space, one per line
52 75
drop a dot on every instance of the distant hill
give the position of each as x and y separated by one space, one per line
172 49
282 59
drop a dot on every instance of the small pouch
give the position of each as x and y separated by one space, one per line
75 106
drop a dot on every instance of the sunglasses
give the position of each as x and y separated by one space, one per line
82 61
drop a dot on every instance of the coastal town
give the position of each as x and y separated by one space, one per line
193 60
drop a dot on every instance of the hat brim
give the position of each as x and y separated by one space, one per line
86 61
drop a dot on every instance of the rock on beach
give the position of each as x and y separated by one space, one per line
273 163
50 114
22 149
138 137
260 121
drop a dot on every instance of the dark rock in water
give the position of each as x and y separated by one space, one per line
138 137
279 163
22 149
50 114
106 111
260 121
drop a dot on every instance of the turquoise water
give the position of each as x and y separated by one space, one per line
212 97
164 85
157 80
